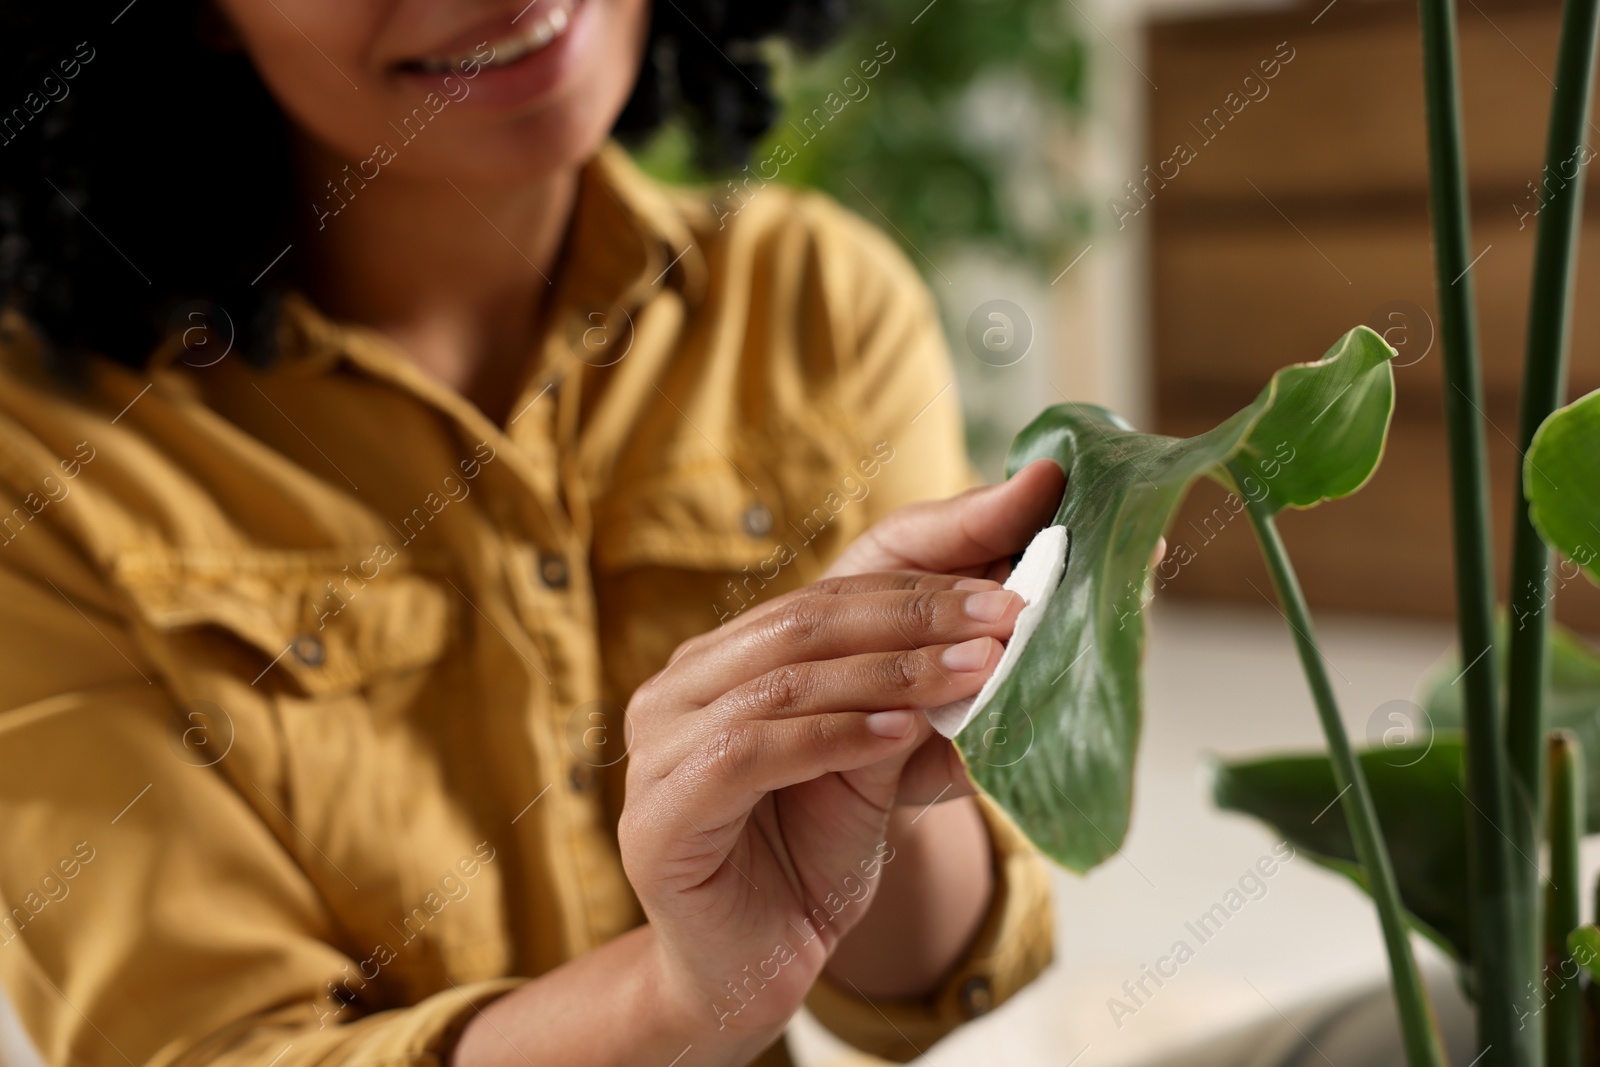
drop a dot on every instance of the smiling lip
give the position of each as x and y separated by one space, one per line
530 57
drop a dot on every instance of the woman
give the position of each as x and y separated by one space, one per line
372 434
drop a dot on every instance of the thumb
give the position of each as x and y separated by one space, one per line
964 534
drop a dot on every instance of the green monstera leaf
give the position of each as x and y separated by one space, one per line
1417 790
1571 696
1054 744
1561 474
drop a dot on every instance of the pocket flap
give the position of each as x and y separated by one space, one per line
314 614
705 516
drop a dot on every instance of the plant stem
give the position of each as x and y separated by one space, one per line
1592 992
1505 933
1564 1021
1411 997
1543 386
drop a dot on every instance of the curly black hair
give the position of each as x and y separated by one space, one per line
145 172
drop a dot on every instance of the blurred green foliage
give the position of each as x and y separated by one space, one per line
960 139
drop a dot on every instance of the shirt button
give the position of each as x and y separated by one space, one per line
578 777
553 571
977 997
757 520
308 649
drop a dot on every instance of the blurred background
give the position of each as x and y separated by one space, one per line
1151 205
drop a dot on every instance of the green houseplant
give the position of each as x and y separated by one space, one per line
1446 840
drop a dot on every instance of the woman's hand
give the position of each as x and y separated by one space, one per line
973 534
765 762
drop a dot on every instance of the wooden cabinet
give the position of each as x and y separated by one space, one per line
1300 209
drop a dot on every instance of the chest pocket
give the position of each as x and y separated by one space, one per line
782 490
333 622
705 516
681 549
344 718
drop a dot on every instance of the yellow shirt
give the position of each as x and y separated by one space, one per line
313 676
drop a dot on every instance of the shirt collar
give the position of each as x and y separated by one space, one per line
630 237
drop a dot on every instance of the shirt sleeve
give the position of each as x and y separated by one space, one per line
1014 944
898 386
148 915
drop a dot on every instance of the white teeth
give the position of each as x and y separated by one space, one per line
538 32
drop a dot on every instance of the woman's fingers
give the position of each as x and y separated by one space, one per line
962 535
830 679
882 691
824 626
728 768
844 585
856 584
876 681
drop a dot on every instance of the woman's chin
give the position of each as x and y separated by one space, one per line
528 151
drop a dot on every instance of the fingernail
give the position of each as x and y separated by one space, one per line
968 655
889 723
975 584
989 607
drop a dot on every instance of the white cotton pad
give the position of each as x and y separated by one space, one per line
1035 577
